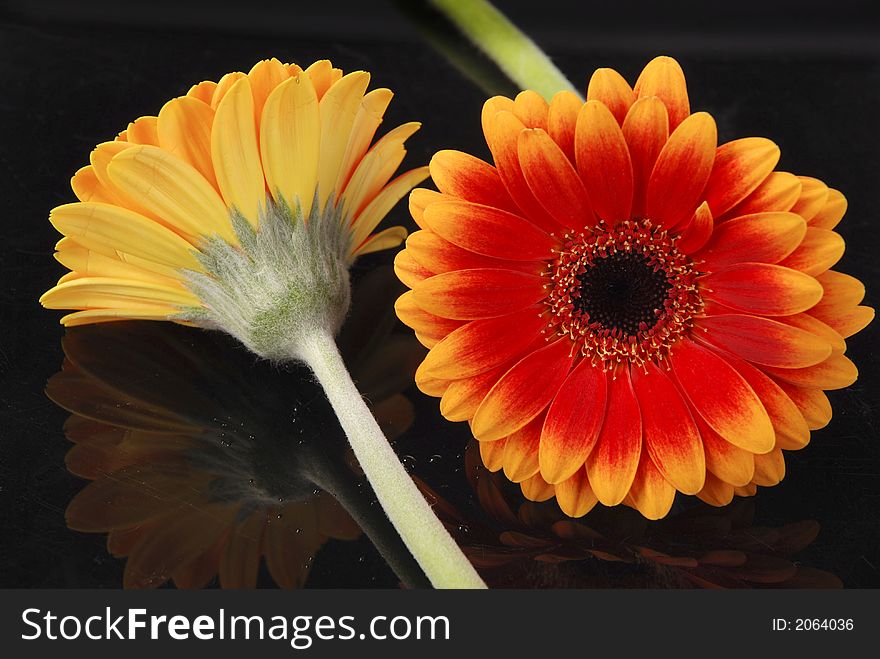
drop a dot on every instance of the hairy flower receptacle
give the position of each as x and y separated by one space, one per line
284 281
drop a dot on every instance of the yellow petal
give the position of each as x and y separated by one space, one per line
223 87
92 316
369 116
321 75
377 167
203 91
290 142
390 237
173 190
87 187
110 292
86 262
377 209
118 232
235 154
339 108
143 131
264 77
100 157
184 129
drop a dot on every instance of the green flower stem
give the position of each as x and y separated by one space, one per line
424 535
517 55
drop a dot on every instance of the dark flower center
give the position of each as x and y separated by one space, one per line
623 291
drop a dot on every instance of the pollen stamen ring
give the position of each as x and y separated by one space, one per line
622 293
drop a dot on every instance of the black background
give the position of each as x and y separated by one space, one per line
807 75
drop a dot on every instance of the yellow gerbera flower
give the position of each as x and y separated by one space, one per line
173 215
241 207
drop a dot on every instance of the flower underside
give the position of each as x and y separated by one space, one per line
622 293
286 279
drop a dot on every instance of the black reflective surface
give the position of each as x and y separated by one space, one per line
183 435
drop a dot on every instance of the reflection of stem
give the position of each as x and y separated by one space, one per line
343 486
424 535
517 55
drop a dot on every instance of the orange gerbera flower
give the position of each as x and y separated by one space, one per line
623 309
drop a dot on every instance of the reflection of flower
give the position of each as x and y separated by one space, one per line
186 442
620 309
703 547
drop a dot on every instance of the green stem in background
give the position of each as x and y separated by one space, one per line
424 535
517 55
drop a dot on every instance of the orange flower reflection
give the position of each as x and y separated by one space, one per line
525 543
199 466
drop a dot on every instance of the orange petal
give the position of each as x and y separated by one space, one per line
462 398
698 230
769 468
716 492
410 271
831 213
575 496
573 422
492 454
462 175
521 451
523 392
562 119
812 199
778 193
650 493
812 403
537 489
816 327
612 463
764 341
671 437
609 88
818 252
850 321
489 231
531 109
676 185
722 397
730 463
761 288
482 345
740 167
663 78
502 134
426 325
646 129
836 372
419 200
759 238
478 293
839 290
554 181
439 255
603 162
791 428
